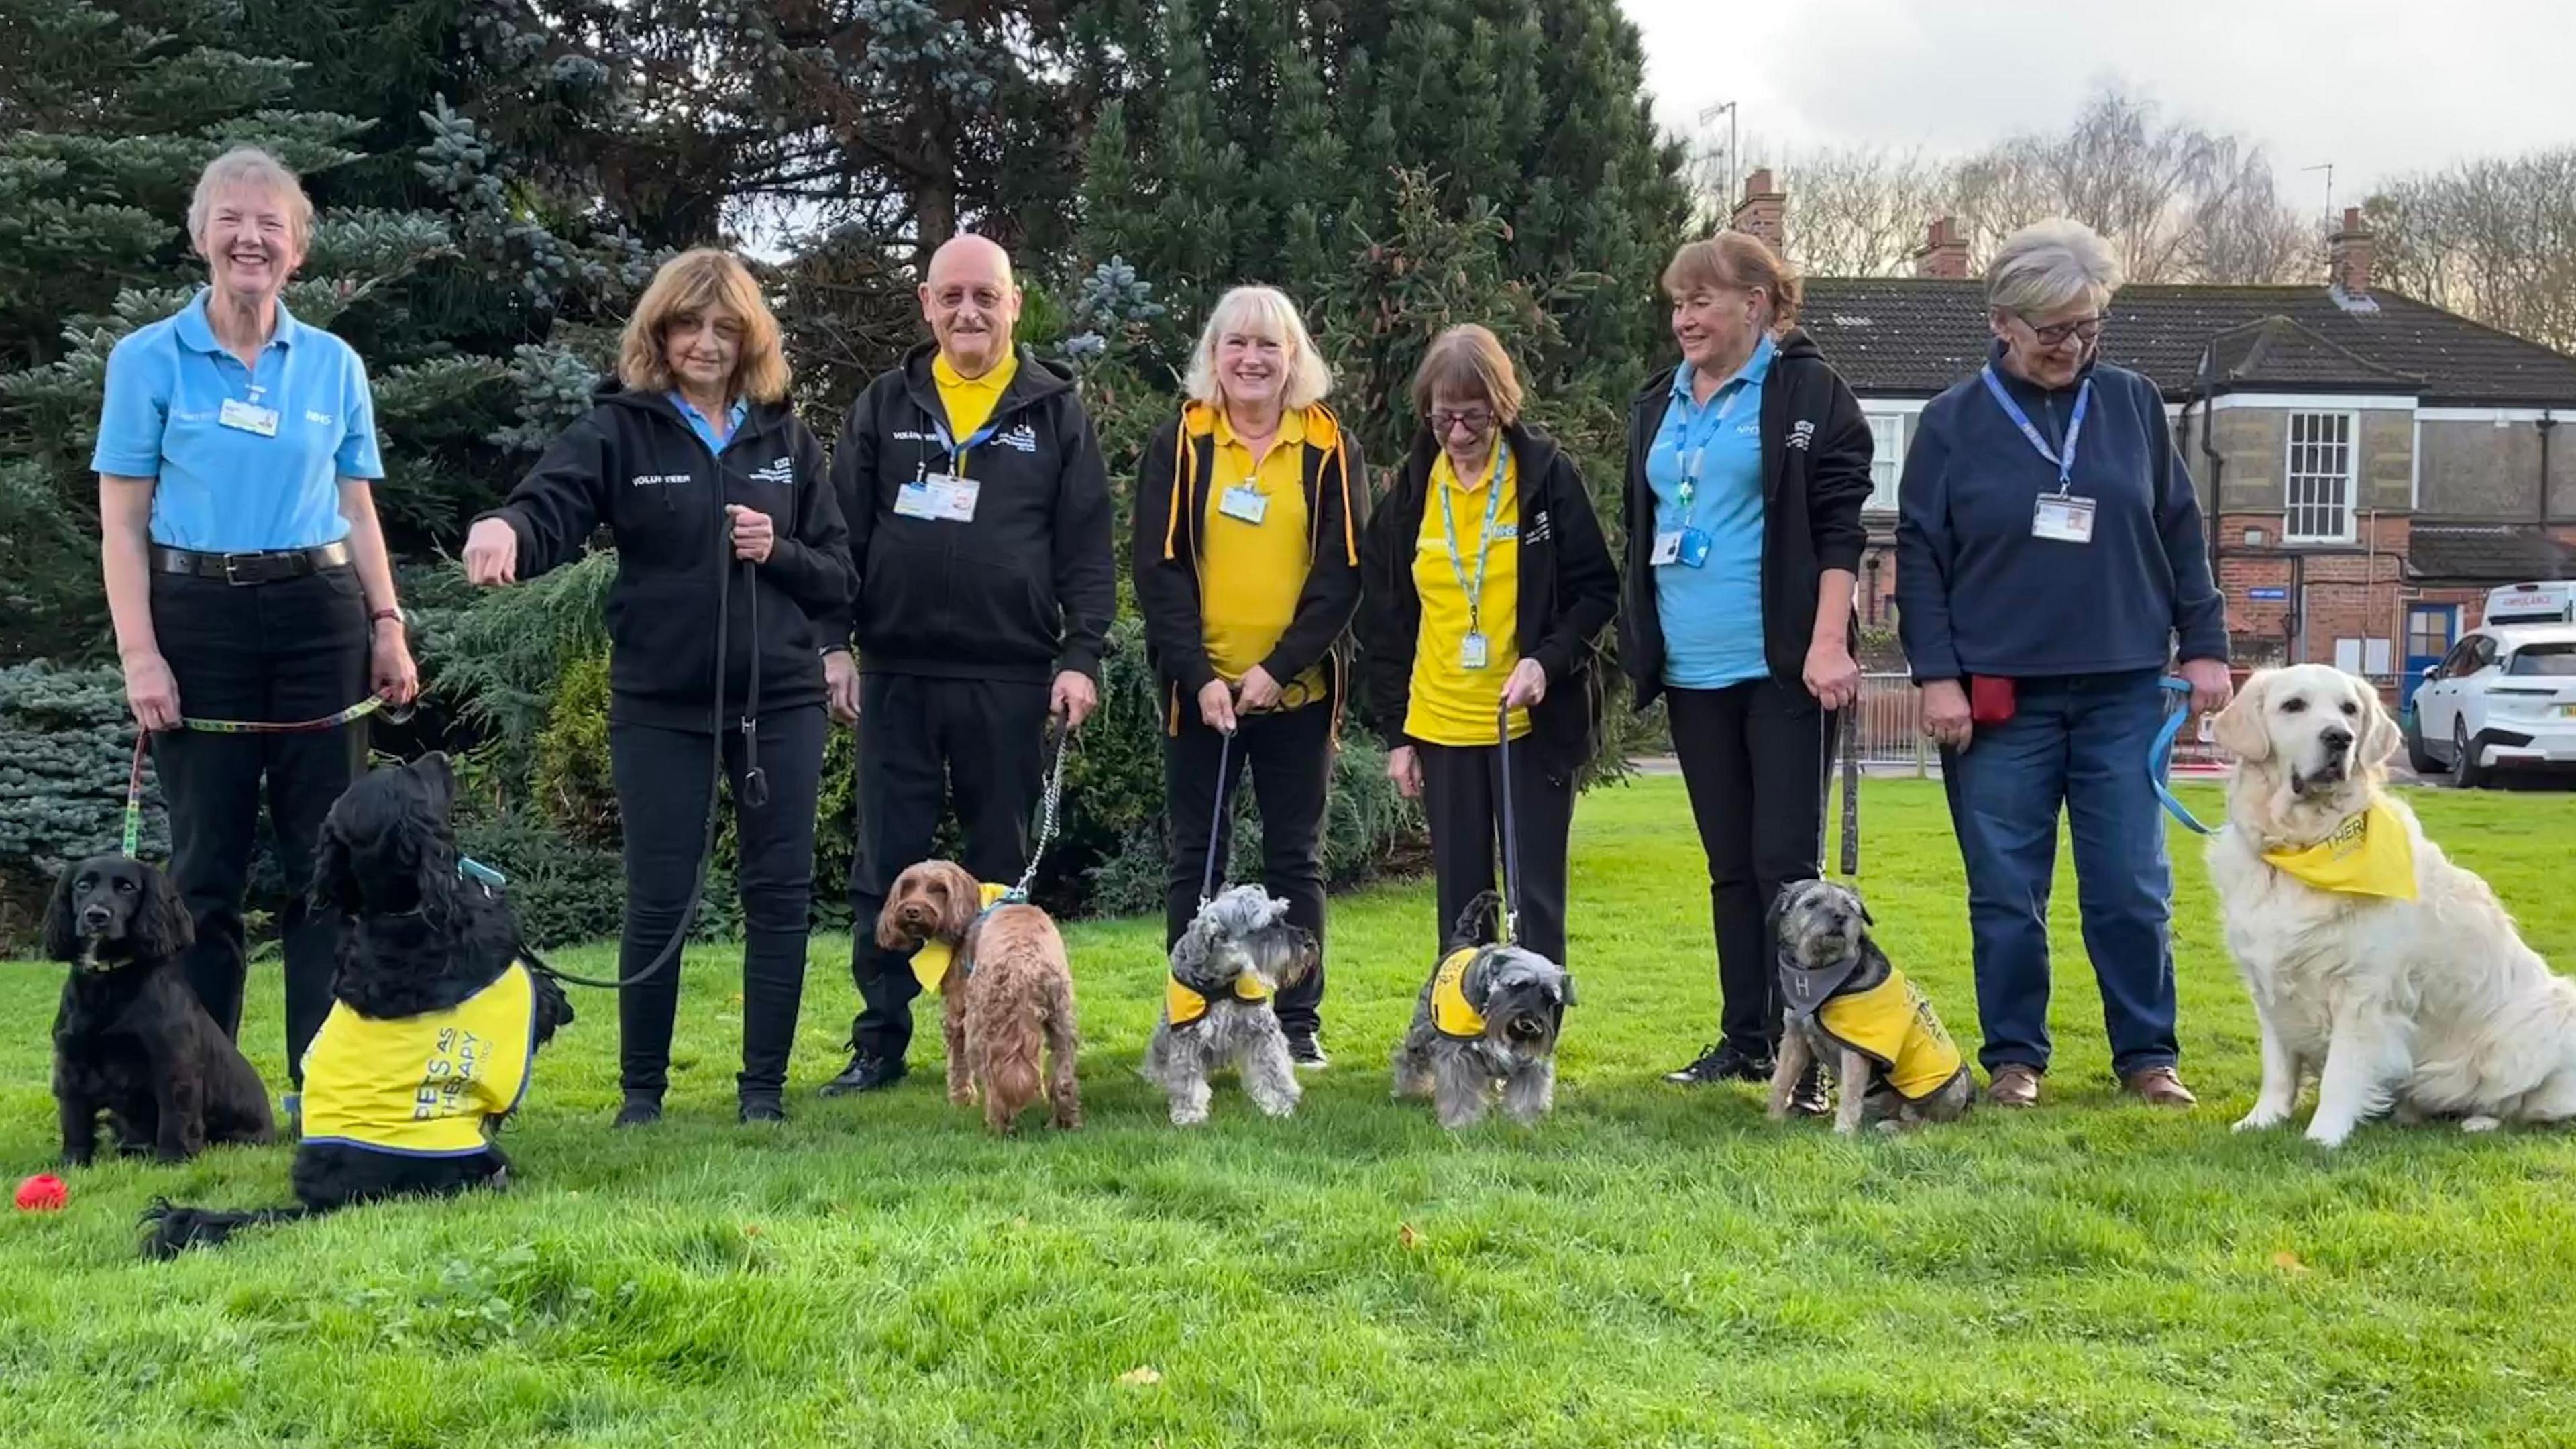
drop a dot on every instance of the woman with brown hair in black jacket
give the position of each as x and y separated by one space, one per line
1485 582
1748 465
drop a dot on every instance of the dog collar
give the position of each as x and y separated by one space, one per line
930 963
2368 854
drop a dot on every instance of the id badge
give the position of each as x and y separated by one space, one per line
2063 518
1668 548
1471 651
953 498
248 417
1694 547
1244 504
913 500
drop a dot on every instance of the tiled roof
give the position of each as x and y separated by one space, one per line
2483 553
1914 336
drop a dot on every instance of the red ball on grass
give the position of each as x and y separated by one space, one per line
43 1193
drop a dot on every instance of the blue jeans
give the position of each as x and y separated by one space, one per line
2081 742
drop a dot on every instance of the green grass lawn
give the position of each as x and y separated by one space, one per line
1652 1266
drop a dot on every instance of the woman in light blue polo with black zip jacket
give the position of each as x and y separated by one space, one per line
247 575
1748 465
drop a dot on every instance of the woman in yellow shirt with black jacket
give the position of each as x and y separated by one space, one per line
1485 583
1246 561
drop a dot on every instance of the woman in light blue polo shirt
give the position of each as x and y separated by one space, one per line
246 572
1747 468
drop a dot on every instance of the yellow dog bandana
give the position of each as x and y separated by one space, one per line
2368 855
422 1086
930 963
1450 1010
1186 1006
1894 1025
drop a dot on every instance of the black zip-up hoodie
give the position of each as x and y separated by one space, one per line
637 466
1020 592
1172 481
1568 591
1815 480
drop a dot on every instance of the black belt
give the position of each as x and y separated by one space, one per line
251 568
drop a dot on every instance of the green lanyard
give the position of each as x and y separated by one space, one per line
1484 541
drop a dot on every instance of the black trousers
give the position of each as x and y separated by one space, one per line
292 650
662 784
1291 755
1754 758
923 741
1462 799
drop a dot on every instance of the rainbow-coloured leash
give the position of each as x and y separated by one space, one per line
143 743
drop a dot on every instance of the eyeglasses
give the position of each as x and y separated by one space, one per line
2083 329
1475 420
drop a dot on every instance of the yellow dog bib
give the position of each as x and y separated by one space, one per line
930 963
1894 1025
1450 1010
1186 1006
422 1086
2368 855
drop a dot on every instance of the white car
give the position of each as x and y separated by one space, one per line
2505 696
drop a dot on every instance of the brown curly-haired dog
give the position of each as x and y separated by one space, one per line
1008 990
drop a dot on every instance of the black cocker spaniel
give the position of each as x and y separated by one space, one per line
131 1039
434 1031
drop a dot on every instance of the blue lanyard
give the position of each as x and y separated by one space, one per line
1692 453
2021 420
1484 541
957 451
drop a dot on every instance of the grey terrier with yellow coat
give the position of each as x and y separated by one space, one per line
1892 1061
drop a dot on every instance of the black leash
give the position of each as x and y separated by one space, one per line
1826 731
755 785
1216 825
1511 837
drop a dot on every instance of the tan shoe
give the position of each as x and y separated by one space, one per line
2159 1087
2014 1085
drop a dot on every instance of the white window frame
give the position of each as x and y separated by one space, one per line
2292 506
1887 428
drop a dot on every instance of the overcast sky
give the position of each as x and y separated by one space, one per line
2377 87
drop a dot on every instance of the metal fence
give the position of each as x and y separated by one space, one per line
1887 731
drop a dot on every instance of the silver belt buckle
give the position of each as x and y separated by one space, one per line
232 568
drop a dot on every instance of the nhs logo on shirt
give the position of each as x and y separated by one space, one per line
1022 439
781 470
319 420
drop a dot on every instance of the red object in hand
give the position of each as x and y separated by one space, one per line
43 1193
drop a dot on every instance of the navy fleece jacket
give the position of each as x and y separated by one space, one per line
1976 593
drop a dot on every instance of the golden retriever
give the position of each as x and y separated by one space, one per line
2424 1000
1008 988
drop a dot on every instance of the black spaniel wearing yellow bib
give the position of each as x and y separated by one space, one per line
435 1025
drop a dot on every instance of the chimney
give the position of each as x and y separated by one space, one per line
2349 256
1944 252
1761 210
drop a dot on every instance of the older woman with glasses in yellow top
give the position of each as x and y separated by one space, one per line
1485 582
1246 560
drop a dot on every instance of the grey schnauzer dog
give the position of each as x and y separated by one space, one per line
1847 1004
1217 1008
1485 1025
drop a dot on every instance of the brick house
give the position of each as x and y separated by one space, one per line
2370 465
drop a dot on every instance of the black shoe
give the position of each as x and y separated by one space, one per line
1722 1063
1307 1052
1808 1099
641 1109
762 1107
866 1074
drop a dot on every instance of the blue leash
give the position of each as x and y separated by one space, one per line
2160 760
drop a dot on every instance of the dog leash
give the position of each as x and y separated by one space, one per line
1048 806
1216 822
2160 759
1511 837
143 745
1829 725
